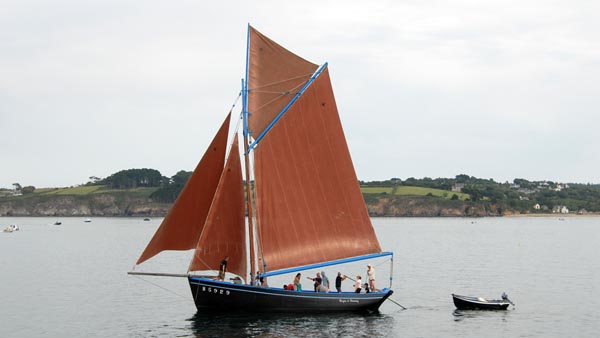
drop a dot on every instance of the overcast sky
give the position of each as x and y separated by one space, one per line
493 89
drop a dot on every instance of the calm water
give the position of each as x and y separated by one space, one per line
70 281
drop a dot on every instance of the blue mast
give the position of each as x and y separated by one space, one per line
246 158
245 88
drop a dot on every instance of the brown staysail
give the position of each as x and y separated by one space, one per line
183 224
224 232
274 76
309 205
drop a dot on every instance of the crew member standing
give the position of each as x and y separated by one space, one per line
223 268
338 281
371 274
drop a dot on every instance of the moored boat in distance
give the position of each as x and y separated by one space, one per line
478 303
11 228
301 165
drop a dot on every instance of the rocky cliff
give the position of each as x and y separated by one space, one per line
429 207
123 204
90 205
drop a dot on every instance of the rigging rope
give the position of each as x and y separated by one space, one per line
281 81
161 287
293 90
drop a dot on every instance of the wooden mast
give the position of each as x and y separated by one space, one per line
249 206
246 133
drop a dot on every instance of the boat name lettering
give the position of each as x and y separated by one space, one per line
349 301
216 290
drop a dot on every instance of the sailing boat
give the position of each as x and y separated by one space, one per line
305 209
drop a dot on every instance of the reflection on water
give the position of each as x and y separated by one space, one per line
212 324
460 315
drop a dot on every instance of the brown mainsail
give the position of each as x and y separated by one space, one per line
183 224
309 205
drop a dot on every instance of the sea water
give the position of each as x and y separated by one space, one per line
71 280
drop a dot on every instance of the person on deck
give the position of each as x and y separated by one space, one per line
338 281
322 288
257 278
263 282
358 284
297 285
366 287
371 274
318 280
325 281
223 268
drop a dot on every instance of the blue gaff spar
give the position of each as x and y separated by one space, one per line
298 190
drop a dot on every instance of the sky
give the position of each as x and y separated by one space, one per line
492 89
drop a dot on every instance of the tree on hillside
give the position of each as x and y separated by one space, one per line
94 179
133 178
28 190
462 178
473 191
181 177
169 191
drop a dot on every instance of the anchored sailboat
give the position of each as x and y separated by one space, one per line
305 209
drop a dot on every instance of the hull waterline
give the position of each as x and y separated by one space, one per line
212 294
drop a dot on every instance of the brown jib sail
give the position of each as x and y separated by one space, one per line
183 224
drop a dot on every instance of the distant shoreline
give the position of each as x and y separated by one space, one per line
590 214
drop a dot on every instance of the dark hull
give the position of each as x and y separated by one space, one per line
211 294
474 303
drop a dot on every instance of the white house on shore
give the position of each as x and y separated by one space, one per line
560 209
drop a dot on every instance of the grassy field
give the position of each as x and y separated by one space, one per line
413 191
81 190
376 190
94 189
419 191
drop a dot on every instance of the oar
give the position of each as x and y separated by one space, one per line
391 300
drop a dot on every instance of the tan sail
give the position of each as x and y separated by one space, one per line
274 76
309 205
224 232
183 224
